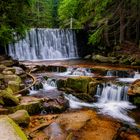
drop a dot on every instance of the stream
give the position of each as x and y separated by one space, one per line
111 96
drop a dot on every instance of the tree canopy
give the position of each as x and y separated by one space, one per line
108 22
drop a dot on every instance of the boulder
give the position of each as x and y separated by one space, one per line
103 59
61 83
55 105
9 69
12 78
31 104
14 86
8 99
9 130
79 84
38 85
21 117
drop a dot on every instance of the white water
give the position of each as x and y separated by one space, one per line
42 44
48 85
112 101
76 72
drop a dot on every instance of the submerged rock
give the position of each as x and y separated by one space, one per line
9 130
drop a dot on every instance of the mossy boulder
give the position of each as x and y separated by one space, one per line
7 99
14 86
79 84
21 117
12 78
61 83
31 104
92 86
104 59
9 130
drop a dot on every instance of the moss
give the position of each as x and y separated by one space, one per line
8 99
61 83
31 107
79 84
12 78
13 130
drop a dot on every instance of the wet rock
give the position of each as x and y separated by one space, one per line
9 130
2 67
38 85
92 86
31 104
84 97
55 105
55 132
21 117
61 83
8 99
79 84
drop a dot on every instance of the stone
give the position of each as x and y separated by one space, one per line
31 104
19 71
103 59
87 56
21 117
79 84
8 99
14 86
61 83
12 78
9 130
134 88
7 63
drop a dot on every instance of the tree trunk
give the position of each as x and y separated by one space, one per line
106 34
122 25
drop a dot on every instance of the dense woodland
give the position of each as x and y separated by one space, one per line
108 22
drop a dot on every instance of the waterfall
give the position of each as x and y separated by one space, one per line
42 44
111 92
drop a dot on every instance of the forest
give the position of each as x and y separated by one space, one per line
70 69
108 22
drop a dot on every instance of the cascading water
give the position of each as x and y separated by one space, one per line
76 72
42 44
48 85
112 101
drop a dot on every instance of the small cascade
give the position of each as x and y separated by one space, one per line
112 101
111 92
119 73
76 72
42 44
48 85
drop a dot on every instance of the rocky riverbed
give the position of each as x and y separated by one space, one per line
59 101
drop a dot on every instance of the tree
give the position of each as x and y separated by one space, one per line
13 16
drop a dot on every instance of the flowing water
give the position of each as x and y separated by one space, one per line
42 44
